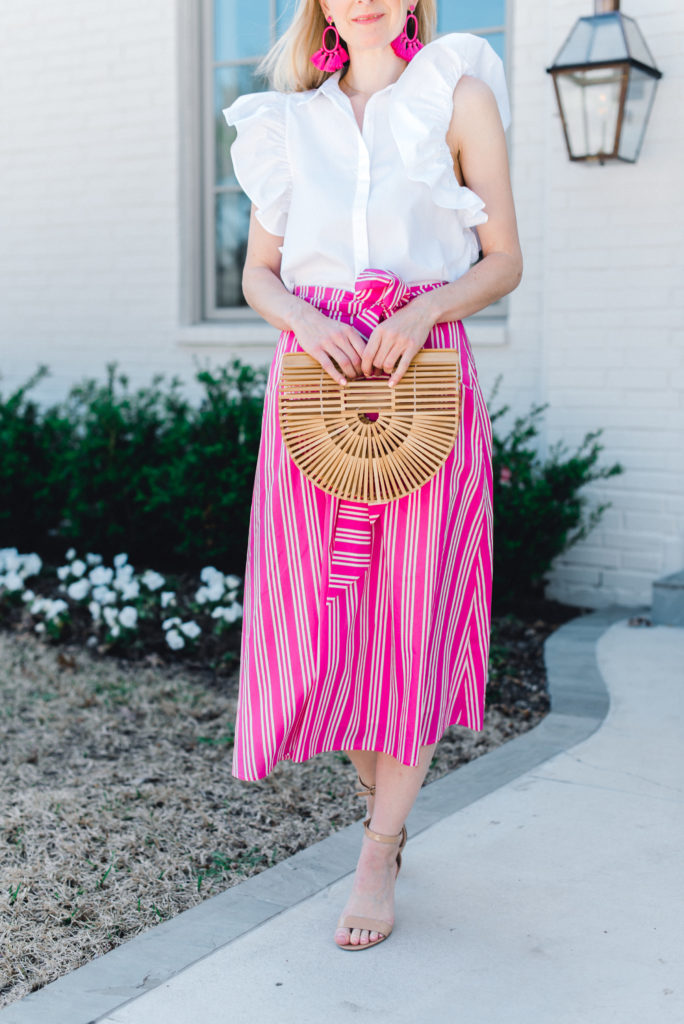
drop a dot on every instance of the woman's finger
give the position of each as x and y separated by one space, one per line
392 359
369 352
401 369
358 343
343 360
342 342
329 367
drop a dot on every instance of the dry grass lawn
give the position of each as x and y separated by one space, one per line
118 808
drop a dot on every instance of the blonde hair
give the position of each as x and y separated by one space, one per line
288 64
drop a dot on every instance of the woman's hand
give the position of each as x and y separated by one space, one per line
397 340
327 340
324 339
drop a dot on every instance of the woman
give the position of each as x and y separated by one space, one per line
367 182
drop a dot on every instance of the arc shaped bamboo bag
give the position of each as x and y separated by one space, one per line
329 433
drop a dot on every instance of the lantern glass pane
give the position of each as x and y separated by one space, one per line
636 42
640 93
575 50
608 42
591 104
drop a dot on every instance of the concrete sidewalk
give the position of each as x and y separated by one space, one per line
541 883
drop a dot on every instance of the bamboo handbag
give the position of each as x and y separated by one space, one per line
334 442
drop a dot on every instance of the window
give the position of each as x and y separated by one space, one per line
240 34
481 17
236 35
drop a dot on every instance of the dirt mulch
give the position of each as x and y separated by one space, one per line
118 809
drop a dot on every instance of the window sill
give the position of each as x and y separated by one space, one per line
481 331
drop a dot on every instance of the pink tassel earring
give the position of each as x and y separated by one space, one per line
407 44
330 58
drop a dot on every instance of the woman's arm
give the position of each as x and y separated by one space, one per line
478 145
265 292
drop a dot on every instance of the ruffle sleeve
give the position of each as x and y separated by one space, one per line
421 107
260 157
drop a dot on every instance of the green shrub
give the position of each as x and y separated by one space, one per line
145 472
32 488
539 507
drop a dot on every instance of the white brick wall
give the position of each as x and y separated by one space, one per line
90 258
597 324
88 190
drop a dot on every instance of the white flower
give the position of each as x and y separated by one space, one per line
54 609
206 594
64 571
175 640
173 621
120 560
78 567
191 630
38 605
92 559
233 581
28 595
70 555
100 576
95 611
152 580
12 581
39 627
128 617
167 597
9 559
123 577
78 590
115 630
110 615
229 614
209 574
32 565
129 591
103 595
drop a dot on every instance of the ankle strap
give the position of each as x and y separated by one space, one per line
367 790
379 837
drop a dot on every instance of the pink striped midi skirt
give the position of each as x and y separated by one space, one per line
366 627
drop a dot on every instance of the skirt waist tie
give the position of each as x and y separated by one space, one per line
377 295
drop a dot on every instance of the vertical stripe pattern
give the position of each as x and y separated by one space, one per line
366 627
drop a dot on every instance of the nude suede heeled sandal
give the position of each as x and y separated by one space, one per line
372 924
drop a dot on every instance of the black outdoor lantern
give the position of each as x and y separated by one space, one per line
605 79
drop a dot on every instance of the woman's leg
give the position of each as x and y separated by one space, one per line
365 763
396 788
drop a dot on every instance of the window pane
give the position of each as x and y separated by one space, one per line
229 83
232 227
466 15
285 10
242 28
497 41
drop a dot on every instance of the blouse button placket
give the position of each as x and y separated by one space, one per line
360 210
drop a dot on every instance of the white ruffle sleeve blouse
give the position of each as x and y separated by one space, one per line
387 197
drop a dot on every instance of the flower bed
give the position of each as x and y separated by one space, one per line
111 608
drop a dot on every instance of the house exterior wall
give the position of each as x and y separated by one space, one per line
599 321
94 258
89 191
